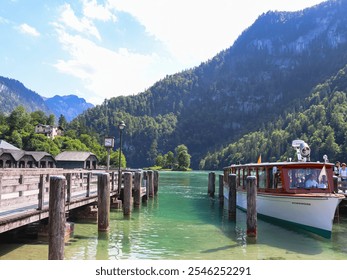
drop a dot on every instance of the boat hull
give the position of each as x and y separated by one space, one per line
314 213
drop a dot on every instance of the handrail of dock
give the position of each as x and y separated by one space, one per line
24 193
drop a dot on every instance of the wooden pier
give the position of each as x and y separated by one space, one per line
25 193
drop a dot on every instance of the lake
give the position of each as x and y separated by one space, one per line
183 223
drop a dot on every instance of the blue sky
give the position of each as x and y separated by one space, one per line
98 49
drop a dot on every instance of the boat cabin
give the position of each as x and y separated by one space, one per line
285 177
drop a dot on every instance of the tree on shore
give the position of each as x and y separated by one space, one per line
180 160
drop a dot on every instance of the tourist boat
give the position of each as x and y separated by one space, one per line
299 192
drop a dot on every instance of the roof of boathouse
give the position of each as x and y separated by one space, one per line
17 154
7 146
39 155
74 156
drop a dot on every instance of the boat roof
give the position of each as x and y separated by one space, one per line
283 163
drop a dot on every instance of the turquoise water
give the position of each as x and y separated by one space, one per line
182 222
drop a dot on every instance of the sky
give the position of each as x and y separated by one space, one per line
99 49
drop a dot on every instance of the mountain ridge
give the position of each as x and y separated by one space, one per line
13 93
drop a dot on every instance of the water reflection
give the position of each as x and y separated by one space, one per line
182 222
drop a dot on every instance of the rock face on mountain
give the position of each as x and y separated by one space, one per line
13 93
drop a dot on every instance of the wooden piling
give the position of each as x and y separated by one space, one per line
211 184
128 185
0 188
119 181
150 183
89 180
232 196
251 206
56 225
144 183
113 176
68 187
103 202
221 188
41 195
156 182
137 188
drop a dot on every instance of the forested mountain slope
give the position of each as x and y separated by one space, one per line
321 122
270 69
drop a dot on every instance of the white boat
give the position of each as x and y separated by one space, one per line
300 193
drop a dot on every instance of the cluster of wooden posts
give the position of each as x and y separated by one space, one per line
132 196
230 184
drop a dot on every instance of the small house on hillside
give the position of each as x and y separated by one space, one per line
76 159
49 130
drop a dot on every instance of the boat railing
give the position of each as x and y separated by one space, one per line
342 186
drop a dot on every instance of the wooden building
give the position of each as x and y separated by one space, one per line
25 159
43 159
76 159
12 157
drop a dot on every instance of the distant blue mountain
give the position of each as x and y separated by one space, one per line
13 94
69 105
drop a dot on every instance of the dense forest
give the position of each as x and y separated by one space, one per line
320 121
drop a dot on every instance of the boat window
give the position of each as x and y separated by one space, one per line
261 178
275 178
238 177
244 174
308 178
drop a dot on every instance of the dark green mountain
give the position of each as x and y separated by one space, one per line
270 69
320 121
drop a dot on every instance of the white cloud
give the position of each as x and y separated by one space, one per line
92 10
29 30
83 25
196 30
104 72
